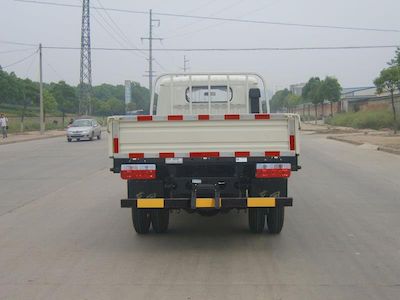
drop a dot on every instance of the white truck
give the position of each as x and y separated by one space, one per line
208 147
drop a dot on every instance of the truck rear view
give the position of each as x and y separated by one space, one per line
207 147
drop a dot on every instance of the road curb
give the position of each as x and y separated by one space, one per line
379 148
32 139
344 140
389 150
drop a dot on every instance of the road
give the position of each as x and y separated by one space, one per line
63 235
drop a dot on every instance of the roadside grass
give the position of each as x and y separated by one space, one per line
32 124
12 110
378 119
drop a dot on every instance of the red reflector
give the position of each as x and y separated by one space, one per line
262 117
116 145
138 174
272 153
203 117
136 155
232 117
273 173
292 142
167 155
204 154
175 118
144 118
242 154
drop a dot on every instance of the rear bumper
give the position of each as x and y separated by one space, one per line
207 203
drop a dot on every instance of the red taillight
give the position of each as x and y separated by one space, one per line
273 170
138 172
116 145
292 141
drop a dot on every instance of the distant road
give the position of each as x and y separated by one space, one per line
63 235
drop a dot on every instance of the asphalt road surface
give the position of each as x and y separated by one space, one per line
64 236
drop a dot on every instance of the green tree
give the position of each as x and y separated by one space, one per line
279 100
29 97
49 103
312 92
65 96
292 101
396 60
331 90
389 81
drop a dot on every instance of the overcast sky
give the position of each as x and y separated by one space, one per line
31 23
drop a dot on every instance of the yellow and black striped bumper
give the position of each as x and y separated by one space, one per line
207 203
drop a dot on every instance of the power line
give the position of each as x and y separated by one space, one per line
114 37
229 49
20 61
180 35
354 28
18 43
15 50
225 8
120 31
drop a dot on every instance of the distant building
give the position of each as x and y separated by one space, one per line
352 97
297 89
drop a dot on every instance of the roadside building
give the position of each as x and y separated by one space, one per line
297 89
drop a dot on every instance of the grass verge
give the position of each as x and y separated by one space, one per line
364 120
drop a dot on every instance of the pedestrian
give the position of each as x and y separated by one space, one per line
4 125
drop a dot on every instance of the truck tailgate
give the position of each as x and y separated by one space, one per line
222 135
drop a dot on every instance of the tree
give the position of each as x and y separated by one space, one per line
396 60
49 103
292 101
279 100
389 81
331 90
312 92
65 96
30 96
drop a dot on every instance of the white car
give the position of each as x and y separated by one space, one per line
84 129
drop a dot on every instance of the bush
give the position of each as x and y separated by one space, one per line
364 119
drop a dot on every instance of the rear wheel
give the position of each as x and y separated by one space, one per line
69 140
256 219
160 220
275 219
141 220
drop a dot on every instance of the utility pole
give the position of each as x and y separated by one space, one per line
85 84
41 90
185 64
150 38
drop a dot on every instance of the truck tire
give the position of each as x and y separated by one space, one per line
275 219
160 220
141 220
256 219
